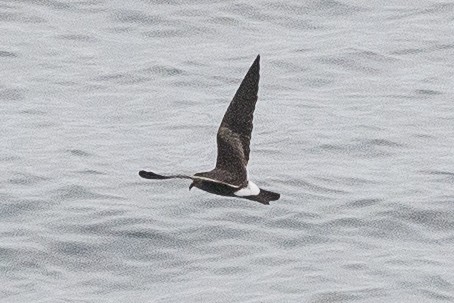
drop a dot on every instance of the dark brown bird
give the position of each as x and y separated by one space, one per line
229 177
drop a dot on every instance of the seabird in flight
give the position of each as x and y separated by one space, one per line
229 177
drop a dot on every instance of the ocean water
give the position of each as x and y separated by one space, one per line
354 127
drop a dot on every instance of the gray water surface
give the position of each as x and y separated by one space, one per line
354 127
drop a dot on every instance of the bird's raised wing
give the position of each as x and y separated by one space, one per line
234 134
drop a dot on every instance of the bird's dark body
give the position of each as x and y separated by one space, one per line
233 144
220 189
215 188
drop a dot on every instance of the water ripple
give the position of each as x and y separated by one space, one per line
353 127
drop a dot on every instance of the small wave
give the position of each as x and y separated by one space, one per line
11 94
78 38
70 192
428 218
7 54
79 153
26 179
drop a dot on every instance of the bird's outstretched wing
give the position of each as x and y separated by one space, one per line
155 176
234 134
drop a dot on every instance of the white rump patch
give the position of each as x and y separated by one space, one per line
250 190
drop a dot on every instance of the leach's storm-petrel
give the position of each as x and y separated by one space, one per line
229 177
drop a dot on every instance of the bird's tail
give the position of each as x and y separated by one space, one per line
264 196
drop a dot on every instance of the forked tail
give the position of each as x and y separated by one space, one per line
152 175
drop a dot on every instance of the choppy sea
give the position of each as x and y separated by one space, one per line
354 127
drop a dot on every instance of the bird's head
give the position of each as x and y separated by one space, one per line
195 183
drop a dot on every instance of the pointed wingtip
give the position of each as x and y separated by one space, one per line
150 175
256 63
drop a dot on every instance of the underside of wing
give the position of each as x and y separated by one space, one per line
222 176
234 134
200 177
